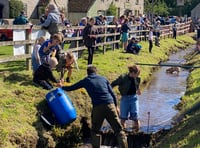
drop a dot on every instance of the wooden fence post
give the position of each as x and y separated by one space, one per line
28 49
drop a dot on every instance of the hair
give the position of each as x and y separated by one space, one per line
70 55
58 37
43 38
91 69
134 68
53 62
52 7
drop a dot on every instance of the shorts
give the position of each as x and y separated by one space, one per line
129 107
124 37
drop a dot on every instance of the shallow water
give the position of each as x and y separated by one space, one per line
161 95
158 99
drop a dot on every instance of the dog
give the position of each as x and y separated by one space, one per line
173 70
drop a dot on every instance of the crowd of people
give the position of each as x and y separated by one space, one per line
48 54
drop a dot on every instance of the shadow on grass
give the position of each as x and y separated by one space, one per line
13 66
16 77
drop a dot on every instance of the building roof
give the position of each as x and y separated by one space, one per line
80 5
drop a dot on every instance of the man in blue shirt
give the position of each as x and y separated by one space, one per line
104 105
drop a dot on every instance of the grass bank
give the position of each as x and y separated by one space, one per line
21 101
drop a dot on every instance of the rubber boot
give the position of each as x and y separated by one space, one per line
96 141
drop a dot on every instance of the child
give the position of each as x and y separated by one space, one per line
133 46
65 64
124 29
150 39
44 73
49 47
35 54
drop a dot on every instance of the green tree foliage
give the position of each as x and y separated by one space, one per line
112 10
186 9
161 8
158 7
15 7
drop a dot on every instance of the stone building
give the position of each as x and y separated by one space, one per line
31 7
97 7
195 13
76 9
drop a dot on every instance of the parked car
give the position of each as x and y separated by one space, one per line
6 34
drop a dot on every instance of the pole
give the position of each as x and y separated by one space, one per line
148 122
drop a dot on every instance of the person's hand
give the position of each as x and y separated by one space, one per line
59 84
138 92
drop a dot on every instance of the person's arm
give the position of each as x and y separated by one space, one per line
116 82
75 86
51 76
112 94
47 21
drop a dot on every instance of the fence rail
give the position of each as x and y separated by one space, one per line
166 32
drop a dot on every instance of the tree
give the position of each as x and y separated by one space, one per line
112 10
158 7
161 8
16 6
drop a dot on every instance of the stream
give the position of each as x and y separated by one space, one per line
158 99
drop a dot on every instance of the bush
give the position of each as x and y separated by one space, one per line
15 7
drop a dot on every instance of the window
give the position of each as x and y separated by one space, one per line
137 2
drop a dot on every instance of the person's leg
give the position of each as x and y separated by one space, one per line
124 110
150 45
113 119
69 73
90 54
45 84
98 115
134 112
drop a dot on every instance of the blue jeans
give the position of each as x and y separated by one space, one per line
129 107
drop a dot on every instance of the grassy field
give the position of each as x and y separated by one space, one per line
21 102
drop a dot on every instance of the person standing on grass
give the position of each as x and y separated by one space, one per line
124 30
89 37
174 29
128 85
150 39
104 105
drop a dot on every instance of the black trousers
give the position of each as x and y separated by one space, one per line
90 54
150 45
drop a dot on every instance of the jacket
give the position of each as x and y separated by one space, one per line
98 88
124 84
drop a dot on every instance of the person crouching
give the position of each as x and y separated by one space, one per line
44 73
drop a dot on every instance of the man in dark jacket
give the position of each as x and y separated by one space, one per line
104 105
89 37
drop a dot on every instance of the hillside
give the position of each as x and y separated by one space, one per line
21 102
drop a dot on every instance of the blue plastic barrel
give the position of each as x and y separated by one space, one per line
61 106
